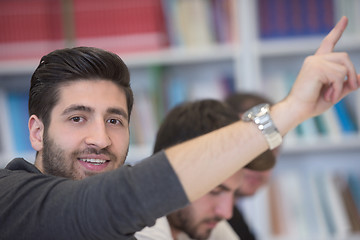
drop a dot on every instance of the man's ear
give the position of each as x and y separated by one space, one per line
36 131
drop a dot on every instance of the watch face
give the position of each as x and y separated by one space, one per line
256 111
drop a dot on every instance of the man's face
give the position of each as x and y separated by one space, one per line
254 180
199 218
88 132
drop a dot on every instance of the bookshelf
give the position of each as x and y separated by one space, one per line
277 59
238 55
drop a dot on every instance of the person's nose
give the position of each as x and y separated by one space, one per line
97 135
224 207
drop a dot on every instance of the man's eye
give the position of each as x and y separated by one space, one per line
215 192
76 119
114 121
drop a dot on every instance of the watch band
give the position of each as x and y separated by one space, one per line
266 125
260 115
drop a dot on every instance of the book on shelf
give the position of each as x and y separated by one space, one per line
295 18
6 136
176 92
353 181
119 25
193 19
201 23
346 122
329 121
225 20
349 202
315 205
318 227
342 227
157 94
30 29
334 123
143 121
307 129
14 128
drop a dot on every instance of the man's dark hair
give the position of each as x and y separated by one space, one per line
72 64
241 102
192 119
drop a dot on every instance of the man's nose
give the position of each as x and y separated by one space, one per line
224 207
97 135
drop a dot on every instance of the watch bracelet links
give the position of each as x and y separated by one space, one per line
268 128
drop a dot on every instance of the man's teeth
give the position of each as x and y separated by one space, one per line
94 161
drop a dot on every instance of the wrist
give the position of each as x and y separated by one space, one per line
286 116
260 115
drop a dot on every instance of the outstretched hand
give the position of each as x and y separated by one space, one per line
325 77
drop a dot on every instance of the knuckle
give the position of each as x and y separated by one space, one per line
309 59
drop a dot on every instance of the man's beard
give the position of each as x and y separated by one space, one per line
54 159
182 220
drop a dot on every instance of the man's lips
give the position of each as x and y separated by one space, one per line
211 224
94 163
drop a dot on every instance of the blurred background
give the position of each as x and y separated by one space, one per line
181 50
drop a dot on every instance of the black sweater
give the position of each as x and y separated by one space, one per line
112 205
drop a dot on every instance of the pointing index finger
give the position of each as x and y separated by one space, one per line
328 43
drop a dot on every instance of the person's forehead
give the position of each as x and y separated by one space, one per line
234 181
87 87
96 92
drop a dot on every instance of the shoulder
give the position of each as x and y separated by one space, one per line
21 164
160 231
223 230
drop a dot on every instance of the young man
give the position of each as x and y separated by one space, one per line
79 110
35 203
196 221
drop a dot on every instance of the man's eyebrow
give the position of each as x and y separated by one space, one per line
223 187
118 111
73 108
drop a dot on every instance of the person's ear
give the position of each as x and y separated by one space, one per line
36 131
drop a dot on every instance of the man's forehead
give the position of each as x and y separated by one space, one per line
91 93
233 182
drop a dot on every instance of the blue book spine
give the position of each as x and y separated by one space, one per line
347 123
18 118
354 186
177 92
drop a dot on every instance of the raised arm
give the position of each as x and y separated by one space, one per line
325 78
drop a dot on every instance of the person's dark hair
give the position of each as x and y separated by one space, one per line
192 119
241 102
71 64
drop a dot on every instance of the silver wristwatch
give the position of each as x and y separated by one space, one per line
260 115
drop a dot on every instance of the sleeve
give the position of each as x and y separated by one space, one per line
112 205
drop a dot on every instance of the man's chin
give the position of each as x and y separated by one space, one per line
205 234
